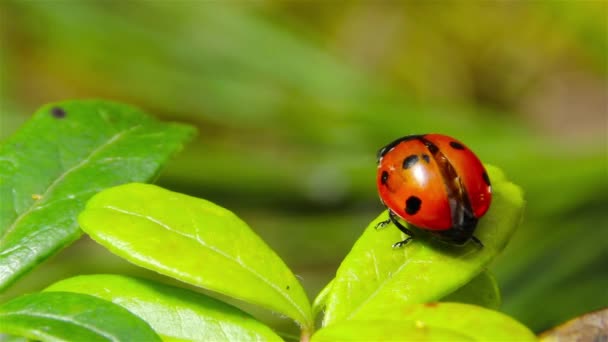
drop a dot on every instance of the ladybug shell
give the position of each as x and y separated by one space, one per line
433 182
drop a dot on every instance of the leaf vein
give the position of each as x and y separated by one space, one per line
218 251
61 177
63 319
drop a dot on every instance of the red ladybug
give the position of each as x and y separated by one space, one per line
435 183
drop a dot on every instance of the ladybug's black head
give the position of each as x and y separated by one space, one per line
392 145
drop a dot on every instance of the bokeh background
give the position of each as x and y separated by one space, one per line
294 98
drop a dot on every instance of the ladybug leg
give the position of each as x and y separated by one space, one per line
392 217
384 223
400 244
477 241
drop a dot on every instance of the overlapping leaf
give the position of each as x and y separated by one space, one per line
65 316
67 152
195 241
172 312
429 322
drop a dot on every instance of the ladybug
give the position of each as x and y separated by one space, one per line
435 183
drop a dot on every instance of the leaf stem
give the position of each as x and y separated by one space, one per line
305 336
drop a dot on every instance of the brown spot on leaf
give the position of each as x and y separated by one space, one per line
58 112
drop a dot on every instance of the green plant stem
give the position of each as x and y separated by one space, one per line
306 333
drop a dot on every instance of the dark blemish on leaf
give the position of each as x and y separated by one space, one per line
431 305
58 112
426 158
456 145
486 178
410 161
412 205
287 287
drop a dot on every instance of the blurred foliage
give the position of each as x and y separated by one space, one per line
293 98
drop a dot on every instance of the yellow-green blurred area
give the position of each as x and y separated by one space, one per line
293 99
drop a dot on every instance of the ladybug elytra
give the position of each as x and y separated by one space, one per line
435 183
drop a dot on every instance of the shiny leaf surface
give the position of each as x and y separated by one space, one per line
172 312
195 241
432 322
65 316
384 330
63 155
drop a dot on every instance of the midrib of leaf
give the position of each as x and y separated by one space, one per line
217 251
38 204
62 319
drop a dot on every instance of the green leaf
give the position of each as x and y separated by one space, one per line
67 152
374 276
482 290
195 241
384 330
172 312
430 322
65 316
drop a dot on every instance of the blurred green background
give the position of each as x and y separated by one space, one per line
294 98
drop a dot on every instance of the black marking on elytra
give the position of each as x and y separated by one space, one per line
456 145
287 287
486 179
58 112
432 147
461 212
412 205
426 158
394 143
410 161
384 177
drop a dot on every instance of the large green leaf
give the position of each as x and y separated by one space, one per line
195 241
65 316
67 152
429 322
172 312
375 276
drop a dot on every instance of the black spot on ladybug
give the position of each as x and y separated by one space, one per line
410 161
456 145
486 178
58 112
432 147
287 287
412 205
426 158
384 178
